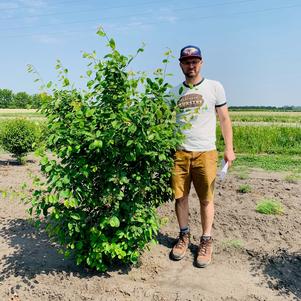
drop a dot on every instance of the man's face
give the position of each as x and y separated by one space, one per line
191 67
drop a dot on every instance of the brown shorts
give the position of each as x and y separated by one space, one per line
197 167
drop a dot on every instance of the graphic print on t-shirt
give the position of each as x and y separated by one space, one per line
191 101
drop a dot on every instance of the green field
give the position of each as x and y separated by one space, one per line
264 139
19 113
269 140
269 117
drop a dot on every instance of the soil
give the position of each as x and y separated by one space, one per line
256 256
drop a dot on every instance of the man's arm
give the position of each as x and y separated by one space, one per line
226 127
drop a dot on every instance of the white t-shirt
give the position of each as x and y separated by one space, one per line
197 106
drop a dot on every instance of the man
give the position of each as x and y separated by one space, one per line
196 160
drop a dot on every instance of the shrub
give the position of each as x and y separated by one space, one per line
43 133
18 136
269 206
113 146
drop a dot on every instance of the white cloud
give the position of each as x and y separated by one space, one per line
167 15
143 23
23 4
31 7
46 39
169 19
33 3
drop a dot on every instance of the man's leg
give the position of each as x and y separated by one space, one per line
181 184
207 216
182 211
203 176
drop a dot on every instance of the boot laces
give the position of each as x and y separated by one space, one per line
204 246
182 240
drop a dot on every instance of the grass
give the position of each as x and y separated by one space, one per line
264 139
277 117
240 171
14 113
270 162
270 207
244 188
243 175
293 178
233 244
37 120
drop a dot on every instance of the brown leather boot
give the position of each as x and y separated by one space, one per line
204 253
179 250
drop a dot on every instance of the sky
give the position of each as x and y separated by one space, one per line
253 47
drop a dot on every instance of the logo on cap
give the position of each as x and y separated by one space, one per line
190 51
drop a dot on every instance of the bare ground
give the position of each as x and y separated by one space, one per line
256 257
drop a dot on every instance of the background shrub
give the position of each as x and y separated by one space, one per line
18 136
113 145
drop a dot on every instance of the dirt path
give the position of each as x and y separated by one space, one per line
256 257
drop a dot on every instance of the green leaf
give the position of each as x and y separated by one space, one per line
79 245
90 112
101 32
132 128
114 222
130 142
97 144
181 90
48 168
162 157
151 137
112 44
66 82
75 216
66 180
44 161
114 123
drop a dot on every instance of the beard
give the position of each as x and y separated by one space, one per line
190 74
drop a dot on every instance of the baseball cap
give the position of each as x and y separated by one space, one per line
190 52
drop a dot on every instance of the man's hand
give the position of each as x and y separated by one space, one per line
229 156
226 127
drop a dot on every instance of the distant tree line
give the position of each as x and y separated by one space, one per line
20 100
266 108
